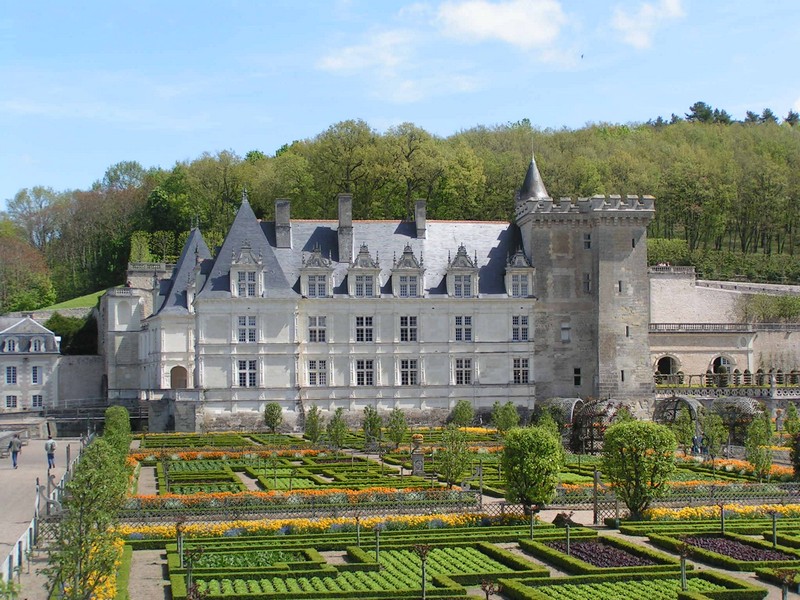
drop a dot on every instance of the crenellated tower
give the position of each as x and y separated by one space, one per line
593 304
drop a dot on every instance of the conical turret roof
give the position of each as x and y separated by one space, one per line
533 186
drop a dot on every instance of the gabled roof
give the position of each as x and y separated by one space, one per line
195 252
22 326
533 186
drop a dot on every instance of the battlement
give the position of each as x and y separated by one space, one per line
620 206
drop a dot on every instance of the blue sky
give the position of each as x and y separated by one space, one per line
88 84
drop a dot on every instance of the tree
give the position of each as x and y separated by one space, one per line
117 429
638 459
757 445
453 459
273 416
462 414
313 425
532 459
715 434
504 416
791 421
337 429
700 112
548 422
683 429
85 551
792 118
767 116
373 426
397 427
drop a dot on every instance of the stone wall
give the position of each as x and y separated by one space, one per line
80 378
675 298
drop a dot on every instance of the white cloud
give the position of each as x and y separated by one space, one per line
525 24
637 28
387 50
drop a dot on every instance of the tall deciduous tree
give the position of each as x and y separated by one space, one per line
758 445
683 429
397 427
638 459
453 458
504 416
336 429
462 414
273 416
715 434
372 424
532 459
313 425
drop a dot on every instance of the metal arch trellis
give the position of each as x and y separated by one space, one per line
737 413
589 424
667 409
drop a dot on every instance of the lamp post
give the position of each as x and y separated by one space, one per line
422 551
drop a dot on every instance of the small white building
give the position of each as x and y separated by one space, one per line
29 356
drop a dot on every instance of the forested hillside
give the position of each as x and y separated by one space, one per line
727 194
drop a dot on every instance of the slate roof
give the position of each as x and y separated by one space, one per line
533 186
174 299
22 325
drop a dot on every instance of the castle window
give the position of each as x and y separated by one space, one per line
11 401
519 328
246 329
566 332
317 327
246 284
365 284
587 283
519 286
408 329
36 375
37 401
408 286
627 331
622 376
633 242
317 286
11 375
619 286
462 286
247 373
318 372
521 370
364 331
409 372
463 371
587 241
36 345
365 372
463 329
11 345
576 376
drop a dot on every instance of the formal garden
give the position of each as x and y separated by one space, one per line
385 510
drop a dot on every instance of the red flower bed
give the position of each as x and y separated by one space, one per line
600 554
735 549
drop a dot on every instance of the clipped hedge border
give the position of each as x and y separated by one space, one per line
725 562
574 565
734 525
517 589
124 574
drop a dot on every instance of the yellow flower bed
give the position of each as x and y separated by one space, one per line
271 526
746 511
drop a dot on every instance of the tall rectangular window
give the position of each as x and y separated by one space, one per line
37 401
408 329
317 327
364 332
519 286
246 331
620 287
587 283
622 376
247 284
365 286
463 371
409 373
247 373
566 332
11 402
365 372
519 328
576 376
463 329
317 372
317 288
36 375
36 346
521 370
11 375
408 286
587 241
462 286
11 345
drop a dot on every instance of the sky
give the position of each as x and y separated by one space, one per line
85 85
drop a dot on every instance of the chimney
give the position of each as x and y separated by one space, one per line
345 232
283 224
420 217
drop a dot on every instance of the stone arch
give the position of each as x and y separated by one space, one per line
178 378
123 312
721 368
666 370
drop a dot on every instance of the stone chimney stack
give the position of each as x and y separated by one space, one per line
283 224
420 216
345 232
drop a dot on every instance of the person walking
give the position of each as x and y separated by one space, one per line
50 449
15 447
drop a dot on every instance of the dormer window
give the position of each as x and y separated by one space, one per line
407 275
317 286
462 275
36 345
247 284
363 275
245 269
519 276
11 345
315 275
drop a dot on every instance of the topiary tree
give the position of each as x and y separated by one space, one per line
504 416
273 416
683 429
791 421
373 427
313 425
757 445
532 459
638 458
453 459
715 434
336 429
397 427
463 414
117 429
